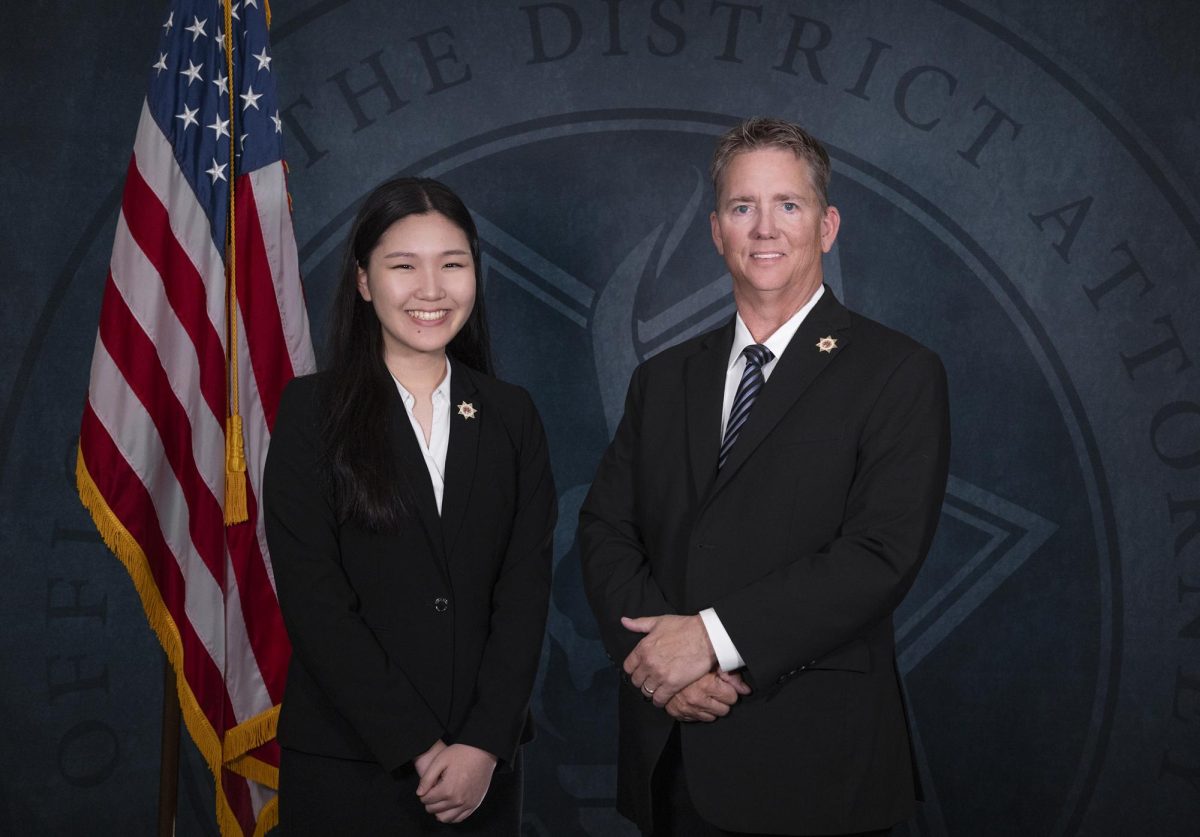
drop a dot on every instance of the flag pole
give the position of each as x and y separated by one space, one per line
168 776
235 445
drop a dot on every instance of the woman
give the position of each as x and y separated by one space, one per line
409 511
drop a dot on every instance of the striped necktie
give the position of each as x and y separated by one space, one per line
757 356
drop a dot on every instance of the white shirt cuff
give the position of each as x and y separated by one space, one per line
728 657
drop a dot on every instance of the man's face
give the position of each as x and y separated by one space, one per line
771 229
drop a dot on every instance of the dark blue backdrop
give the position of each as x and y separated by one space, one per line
1018 184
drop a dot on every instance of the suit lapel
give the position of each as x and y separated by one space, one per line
799 366
415 472
704 386
462 453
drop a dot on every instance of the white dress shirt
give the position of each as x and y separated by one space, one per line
728 657
439 434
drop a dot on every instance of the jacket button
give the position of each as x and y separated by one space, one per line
441 604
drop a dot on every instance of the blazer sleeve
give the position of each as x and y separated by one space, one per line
616 568
791 617
520 599
320 608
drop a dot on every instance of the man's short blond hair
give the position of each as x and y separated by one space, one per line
765 132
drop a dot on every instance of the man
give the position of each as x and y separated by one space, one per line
763 508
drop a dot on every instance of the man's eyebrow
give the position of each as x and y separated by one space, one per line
794 197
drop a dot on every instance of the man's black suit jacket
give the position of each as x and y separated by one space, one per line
435 630
805 543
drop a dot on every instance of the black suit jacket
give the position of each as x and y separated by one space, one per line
433 631
805 543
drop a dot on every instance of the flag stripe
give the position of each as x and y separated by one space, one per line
136 359
133 433
258 306
189 219
257 438
237 791
132 504
147 302
247 691
248 546
190 223
259 798
263 348
267 635
150 227
275 222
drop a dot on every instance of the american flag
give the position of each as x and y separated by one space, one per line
152 463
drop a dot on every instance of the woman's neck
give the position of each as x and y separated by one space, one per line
420 374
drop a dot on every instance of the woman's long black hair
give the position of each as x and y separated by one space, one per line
359 393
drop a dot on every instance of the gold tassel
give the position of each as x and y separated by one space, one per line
235 472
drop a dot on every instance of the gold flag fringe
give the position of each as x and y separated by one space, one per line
233 752
256 770
227 821
129 552
268 817
251 733
243 738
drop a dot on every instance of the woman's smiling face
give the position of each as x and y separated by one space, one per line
420 279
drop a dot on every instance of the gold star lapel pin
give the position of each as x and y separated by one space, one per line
467 410
827 344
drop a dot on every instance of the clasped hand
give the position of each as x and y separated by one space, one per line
454 779
709 698
673 665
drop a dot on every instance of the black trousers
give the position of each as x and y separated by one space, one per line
319 795
674 813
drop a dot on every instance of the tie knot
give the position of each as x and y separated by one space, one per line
758 354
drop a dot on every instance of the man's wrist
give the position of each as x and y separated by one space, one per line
487 754
713 660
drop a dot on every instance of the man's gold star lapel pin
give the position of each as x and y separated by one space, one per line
827 344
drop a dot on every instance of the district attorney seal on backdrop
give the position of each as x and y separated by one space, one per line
996 209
